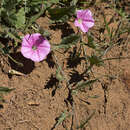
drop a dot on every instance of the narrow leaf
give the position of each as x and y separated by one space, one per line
82 85
85 122
34 18
59 76
95 60
73 2
72 39
95 96
61 118
91 42
67 42
5 90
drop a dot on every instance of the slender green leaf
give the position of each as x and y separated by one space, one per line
5 90
54 1
82 85
36 2
35 17
86 121
59 76
73 2
95 60
95 96
72 39
67 42
61 118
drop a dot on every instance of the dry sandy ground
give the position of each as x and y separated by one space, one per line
36 103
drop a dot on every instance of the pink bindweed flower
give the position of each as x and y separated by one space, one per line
35 47
84 20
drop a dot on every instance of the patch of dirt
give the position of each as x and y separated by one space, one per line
37 102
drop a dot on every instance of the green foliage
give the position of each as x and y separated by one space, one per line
11 16
69 2
59 76
84 123
67 42
61 118
61 14
21 15
34 18
95 60
91 42
4 90
20 21
82 85
72 39
94 96
74 2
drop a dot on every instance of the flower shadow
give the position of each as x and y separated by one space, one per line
75 77
52 83
74 59
4 41
27 67
50 60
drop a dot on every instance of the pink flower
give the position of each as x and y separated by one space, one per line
35 47
84 20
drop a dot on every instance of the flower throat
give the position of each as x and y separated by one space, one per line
34 47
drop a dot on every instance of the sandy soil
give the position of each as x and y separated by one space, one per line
36 102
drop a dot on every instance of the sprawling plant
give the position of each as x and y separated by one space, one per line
18 24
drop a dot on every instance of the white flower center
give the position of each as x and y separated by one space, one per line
80 20
34 47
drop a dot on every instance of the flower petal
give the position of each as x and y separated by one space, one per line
26 40
79 13
88 12
42 47
87 16
42 54
42 51
76 23
88 24
45 44
26 51
35 37
83 27
35 56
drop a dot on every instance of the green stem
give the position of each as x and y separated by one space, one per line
20 64
116 58
1 49
59 66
